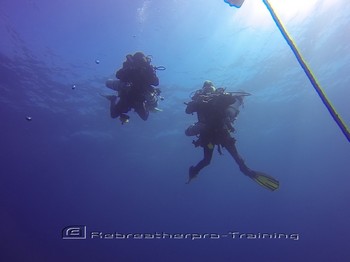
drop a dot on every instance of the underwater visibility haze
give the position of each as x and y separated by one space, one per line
77 185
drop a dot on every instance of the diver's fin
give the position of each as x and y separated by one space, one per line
156 109
265 181
239 93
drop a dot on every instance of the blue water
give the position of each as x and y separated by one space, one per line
72 165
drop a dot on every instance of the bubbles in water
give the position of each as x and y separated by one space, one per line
29 118
74 86
97 61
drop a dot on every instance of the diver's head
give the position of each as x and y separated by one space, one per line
140 57
208 87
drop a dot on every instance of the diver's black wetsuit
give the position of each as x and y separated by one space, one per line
213 113
141 77
221 138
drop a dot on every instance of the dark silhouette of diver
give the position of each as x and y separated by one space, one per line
135 85
216 111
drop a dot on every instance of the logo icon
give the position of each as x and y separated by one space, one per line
74 232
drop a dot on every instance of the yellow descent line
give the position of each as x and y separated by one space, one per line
309 73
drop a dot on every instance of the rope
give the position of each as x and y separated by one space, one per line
308 72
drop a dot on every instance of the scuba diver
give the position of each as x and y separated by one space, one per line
135 85
216 111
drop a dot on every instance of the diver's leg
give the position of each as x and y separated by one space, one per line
141 110
229 144
118 108
208 154
113 107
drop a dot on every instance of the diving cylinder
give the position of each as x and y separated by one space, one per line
233 110
113 84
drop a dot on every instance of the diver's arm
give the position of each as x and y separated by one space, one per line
191 107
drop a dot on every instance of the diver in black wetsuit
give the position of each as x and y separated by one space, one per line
216 111
135 87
